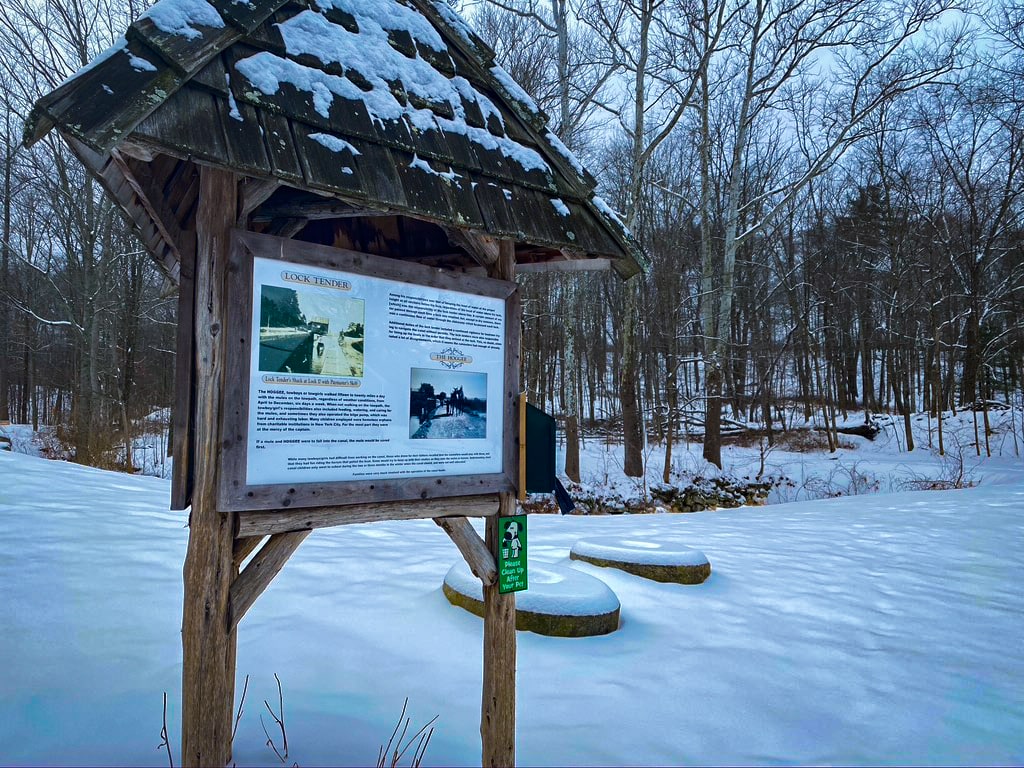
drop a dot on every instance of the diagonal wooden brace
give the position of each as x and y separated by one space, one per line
473 549
260 571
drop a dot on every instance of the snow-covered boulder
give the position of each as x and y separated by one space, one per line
560 602
656 560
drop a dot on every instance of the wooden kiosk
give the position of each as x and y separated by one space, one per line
266 149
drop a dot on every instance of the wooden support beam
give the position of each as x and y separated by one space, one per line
483 248
566 265
522 447
312 210
287 228
208 643
244 546
473 549
260 571
280 521
113 181
151 201
498 705
254 193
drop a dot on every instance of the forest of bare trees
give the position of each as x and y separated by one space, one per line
829 191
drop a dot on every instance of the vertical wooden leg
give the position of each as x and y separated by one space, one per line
498 713
208 649
208 645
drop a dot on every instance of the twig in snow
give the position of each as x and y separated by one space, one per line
165 742
399 751
241 701
282 754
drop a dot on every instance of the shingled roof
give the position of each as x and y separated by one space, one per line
348 110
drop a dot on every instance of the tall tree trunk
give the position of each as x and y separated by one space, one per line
632 424
570 378
5 280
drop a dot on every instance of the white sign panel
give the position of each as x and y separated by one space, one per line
353 377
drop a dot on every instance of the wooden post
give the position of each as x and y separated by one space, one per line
498 711
208 644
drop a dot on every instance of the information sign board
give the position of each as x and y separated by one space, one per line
512 576
361 373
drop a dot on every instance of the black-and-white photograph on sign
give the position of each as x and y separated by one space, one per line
304 331
446 404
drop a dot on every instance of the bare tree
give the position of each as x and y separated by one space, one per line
820 70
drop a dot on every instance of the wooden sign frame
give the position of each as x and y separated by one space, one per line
236 494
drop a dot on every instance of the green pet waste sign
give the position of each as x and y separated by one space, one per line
512 554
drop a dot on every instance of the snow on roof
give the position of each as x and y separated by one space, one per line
179 17
391 16
212 80
380 66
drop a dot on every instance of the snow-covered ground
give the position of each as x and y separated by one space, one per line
879 629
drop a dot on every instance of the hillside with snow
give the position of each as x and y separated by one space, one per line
869 629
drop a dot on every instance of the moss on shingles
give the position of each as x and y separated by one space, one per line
550 624
676 574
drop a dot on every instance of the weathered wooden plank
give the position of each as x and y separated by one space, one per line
287 227
395 133
214 76
208 644
382 185
189 122
493 164
184 381
478 557
284 158
591 235
547 225
312 208
243 137
498 705
160 168
261 570
279 521
186 53
429 140
462 202
328 168
566 265
267 36
462 153
424 191
246 15
495 201
185 210
288 100
498 700
176 182
102 105
339 258
504 269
